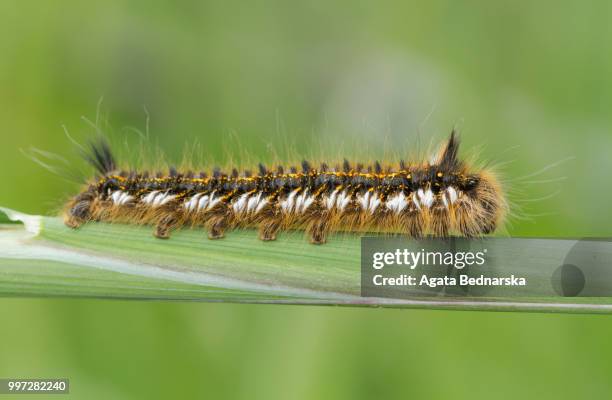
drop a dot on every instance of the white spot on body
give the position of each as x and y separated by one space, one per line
369 201
416 201
330 201
203 202
148 199
161 199
452 194
167 199
288 203
343 200
426 197
248 203
299 201
240 204
121 198
449 196
364 200
374 202
158 199
307 203
296 203
213 201
397 203
125 198
261 205
192 204
115 196
253 202
303 202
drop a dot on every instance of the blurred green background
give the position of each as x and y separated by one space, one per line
528 83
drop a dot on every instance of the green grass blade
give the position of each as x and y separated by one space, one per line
44 258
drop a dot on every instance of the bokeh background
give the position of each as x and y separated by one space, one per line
529 84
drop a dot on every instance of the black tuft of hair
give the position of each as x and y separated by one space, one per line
262 169
448 160
346 166
377 167
100 156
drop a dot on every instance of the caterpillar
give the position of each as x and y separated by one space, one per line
440 197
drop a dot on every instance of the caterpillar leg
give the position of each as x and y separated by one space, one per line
80 210
412 221
73 222
440 220
218 222
77 215
165 225
467 215
318 227
270 224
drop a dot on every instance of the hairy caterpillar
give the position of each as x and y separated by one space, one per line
439 198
